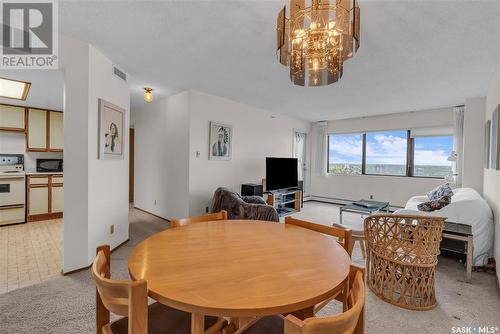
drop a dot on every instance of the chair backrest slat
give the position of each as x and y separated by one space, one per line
347 322
344 235
221 215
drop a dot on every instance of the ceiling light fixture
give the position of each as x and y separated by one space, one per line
148 95
14 89
315 41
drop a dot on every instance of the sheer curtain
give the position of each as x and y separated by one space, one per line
321 128
458 141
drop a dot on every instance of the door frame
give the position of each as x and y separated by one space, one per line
131 171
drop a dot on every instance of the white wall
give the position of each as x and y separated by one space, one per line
396 190
169 133
491 183
472 171
74 61
161 156
95 191
108 179
256 135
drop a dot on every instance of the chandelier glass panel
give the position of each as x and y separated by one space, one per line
314 41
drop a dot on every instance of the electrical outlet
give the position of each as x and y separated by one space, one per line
111 229
371 196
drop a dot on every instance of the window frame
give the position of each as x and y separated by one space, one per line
412 169
363 149
410 154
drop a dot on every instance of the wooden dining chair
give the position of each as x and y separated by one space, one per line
130 300
221 215
344 236
349 322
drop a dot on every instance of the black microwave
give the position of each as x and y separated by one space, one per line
49 165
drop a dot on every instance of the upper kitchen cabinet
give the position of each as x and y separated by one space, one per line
36 133
44 132
12 118
55 131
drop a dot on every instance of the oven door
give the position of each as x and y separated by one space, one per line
12 190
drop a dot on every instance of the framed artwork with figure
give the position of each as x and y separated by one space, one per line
221 137
111 135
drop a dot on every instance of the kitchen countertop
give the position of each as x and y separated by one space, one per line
34 172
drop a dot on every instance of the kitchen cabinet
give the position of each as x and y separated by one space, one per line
12 118
45 197
36 134
44 131
55 131
38 200
57 198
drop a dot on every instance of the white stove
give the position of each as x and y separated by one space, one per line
12 189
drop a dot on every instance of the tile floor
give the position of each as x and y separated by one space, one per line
30 253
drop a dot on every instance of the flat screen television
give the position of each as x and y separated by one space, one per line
281 173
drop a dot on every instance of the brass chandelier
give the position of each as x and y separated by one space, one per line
316 40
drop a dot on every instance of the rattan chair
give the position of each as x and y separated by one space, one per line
402 257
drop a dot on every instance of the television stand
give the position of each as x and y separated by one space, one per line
286 202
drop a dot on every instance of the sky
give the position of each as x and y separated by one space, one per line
389 148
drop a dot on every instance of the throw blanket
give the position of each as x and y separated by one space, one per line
242 207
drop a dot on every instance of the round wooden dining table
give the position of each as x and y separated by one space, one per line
240 268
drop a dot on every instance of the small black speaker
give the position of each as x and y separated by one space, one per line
251 189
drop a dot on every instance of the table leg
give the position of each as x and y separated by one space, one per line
305 313
197 323
470 249
340 217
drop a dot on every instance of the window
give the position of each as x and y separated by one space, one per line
386 153
345 153
431 156
420 152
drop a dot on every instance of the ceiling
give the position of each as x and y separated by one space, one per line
414 55
46 91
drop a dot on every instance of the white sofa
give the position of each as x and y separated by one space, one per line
466 207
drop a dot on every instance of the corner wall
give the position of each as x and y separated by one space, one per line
473 161
95 191
162 156
108 179
257 134
171 131
492 177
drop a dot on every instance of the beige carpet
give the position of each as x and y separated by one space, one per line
66 304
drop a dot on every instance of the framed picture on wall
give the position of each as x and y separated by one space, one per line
487 140
495 140
220 139
111 135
